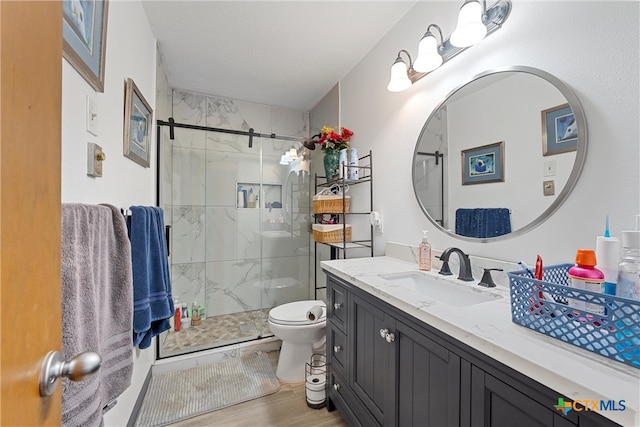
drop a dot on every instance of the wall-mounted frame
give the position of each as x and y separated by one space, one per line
483 164
84 34
137 125
559 130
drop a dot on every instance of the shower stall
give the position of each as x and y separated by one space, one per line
239 213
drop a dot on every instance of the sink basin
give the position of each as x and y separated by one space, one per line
444 291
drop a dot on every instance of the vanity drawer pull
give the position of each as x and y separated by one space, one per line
337 306
336 386
337 348
384 332
390 338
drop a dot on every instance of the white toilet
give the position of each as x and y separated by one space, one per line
298 334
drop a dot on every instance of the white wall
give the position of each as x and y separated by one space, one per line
472 123
602 68
131 52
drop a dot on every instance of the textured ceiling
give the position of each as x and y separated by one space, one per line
284 53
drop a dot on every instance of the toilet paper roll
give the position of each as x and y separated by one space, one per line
316 382
314 313
315 389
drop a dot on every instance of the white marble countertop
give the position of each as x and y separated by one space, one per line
576 373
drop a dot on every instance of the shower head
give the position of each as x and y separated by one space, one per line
311 142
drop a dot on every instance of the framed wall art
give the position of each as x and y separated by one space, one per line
559 130
138 117
483 164
84 34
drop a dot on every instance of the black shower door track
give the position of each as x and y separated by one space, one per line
173 124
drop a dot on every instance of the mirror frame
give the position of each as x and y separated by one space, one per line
581 151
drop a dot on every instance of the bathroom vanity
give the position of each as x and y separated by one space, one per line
399 355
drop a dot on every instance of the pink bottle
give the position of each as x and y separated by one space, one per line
584 275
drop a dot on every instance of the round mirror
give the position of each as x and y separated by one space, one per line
500 154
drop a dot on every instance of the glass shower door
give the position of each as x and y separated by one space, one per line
240 244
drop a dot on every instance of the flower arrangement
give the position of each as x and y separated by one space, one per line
330 140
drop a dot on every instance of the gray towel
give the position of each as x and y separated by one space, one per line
97 302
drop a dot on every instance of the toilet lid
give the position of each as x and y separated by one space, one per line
295 313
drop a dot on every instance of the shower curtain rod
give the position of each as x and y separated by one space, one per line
171 123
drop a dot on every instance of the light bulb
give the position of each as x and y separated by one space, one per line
470 29
399 79
428 57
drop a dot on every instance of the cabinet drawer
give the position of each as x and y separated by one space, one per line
354 411
339 351
337 309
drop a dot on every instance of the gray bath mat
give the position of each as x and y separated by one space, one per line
175 396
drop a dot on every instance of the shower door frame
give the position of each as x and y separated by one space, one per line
250 134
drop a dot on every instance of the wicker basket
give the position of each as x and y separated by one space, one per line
330 204
331 233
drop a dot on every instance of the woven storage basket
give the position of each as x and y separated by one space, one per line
331 233
330 204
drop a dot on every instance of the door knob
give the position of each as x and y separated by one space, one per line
337 349
390 337
80 368
384 332
337 306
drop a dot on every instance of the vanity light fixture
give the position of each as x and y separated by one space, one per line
475 22
429 51
289 156
399 78
471 28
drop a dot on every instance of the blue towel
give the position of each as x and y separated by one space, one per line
483 222
152 299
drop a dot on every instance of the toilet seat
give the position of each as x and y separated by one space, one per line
295 313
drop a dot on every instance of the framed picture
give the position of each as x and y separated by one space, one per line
137 125
559 130
84 34
483 164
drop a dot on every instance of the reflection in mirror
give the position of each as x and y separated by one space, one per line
500 154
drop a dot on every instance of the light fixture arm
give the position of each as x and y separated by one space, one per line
437 27
399 58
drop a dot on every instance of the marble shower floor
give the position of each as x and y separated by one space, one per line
217 331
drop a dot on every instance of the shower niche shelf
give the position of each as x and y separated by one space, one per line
270 196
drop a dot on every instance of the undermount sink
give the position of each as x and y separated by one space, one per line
441 290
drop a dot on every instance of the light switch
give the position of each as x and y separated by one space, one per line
548 188
95 157
550 168
92 116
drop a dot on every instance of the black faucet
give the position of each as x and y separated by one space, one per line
465 264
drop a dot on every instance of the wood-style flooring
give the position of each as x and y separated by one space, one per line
285 408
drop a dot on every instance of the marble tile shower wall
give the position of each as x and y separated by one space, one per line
216 247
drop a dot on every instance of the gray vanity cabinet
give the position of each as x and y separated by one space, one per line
398 376
496 404
388 368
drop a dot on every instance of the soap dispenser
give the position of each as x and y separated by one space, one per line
424 253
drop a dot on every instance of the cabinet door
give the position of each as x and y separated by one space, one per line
428 381
336 303
494 403
371 357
